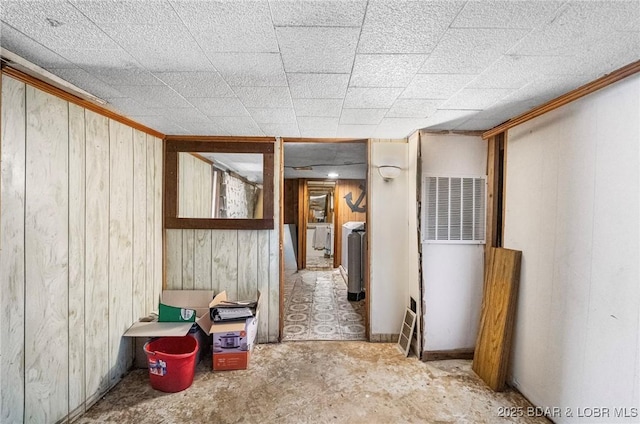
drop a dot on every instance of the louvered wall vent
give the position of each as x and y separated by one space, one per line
454 210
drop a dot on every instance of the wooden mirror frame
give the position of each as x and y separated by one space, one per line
187 144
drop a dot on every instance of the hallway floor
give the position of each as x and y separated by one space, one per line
317 382
316 308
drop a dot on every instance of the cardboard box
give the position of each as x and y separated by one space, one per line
233 342
197 300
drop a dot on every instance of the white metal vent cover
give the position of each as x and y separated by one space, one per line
454 209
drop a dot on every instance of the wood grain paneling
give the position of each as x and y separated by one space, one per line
224 262
202 260
291 201
247 264
47 255
263 283
12 272
97 256
188 252
150 276
77 180
493 347
120 246
195 184
158 242
276 266
344 213
174 259
139 223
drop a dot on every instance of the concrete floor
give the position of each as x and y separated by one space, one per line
316 382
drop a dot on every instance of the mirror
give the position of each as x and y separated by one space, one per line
320 201
213 183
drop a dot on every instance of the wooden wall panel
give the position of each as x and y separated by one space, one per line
291 201
174 260
12 272
344 213
194 186
224 270
139 223
158 242
97 256
188 252
120 246
247 264
150 276
263 283
47 255
77 179
202 260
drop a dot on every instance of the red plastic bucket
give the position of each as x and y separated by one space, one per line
171 362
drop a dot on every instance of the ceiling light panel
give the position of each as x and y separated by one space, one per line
250 69
273 115
413 108
318 49
219 106
385 70
317 107
470 51
196 84
362 116
229 26
405 27
277 97
435 86
373 98
315 13
505 14
317 86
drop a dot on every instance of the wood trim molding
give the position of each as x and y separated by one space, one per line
566 98
219 138
441 355
202 158
58 92
281 241
323 140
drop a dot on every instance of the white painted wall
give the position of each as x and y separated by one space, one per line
390 274
452 273
572 207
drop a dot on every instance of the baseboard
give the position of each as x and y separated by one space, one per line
384 338
441 355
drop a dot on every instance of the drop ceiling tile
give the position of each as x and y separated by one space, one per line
72 31
448 119
318 50
413 108
160 47
405 27
264 96
159 12
317 107
182 116
242 26
478 125
385 70
280 130
273 115
318 86
579 24
356 131
205 128
125 76
470 51
315 13
128 107
82 79
155 96
215 106
100 59
250 69
317 127
238 125
475 98
196 84
34 52
397 127
505 14
374 98
435 86
161 124
362 116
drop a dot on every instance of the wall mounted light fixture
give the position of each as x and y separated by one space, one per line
389 172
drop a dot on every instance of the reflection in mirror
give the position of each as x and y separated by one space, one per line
220 185
320 201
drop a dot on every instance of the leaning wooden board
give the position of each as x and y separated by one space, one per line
493 346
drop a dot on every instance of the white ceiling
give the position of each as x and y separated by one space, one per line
377 68
348 160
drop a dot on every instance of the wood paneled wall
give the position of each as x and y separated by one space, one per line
195 187
238 261
81 237
344 213
291 201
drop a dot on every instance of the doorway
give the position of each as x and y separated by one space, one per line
324 188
